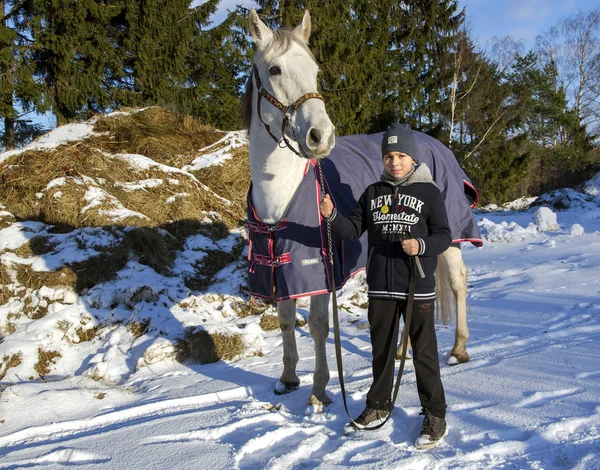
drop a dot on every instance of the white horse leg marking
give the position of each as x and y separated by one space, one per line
457 276
318 322
289 381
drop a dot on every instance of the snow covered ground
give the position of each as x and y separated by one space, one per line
528 398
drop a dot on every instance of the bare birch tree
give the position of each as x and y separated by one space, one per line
574 46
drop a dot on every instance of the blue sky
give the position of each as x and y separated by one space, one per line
520 19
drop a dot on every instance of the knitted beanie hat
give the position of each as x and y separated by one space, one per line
399 138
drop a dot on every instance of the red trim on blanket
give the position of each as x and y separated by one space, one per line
475 241
475 191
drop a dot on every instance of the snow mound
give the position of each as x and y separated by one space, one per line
506 231
545 219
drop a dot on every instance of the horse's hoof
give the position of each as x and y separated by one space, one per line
322 399
282 388
318 405
456 359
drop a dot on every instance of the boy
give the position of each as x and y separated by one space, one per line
404 216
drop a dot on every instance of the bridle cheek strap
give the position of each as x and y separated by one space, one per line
262 93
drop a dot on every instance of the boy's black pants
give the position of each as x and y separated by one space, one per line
384 319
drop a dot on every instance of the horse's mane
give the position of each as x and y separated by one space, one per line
283 39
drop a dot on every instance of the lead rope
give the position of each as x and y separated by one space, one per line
336 323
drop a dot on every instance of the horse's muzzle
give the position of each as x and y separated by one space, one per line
320 141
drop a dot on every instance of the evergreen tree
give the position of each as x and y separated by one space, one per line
487 150
557 144
155 39
433 28
20 93
218 64
73 54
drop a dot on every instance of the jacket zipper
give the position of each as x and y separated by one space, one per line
392 241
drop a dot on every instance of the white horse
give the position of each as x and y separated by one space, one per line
286 72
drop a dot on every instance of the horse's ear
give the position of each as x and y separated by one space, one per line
303 29
258 29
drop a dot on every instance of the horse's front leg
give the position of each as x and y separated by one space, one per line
289 381
318 323
458 283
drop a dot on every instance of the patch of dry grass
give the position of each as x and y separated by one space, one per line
34 313
8 362
200 347
39 245
156 133
5 281
87 335
152 247
27 174
231 181
9 326
64 277
269 322
182 229
209 266
6 220
45 360
252 307
138 328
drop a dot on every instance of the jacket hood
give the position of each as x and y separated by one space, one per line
421 174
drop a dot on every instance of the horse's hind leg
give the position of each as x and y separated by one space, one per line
457 276
401 346
318 322
289 381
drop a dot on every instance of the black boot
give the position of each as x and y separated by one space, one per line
434 429
370 415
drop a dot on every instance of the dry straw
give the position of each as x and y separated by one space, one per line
46 359
100 164
269 322
5 281
200 347
8 362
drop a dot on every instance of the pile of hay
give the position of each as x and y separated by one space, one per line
134 180
128 173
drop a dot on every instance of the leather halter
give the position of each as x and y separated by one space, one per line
287 114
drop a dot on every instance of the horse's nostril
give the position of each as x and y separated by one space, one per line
315 136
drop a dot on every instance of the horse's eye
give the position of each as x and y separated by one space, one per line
275 70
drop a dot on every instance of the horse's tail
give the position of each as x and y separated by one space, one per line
445 306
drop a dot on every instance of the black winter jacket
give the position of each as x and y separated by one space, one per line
389 213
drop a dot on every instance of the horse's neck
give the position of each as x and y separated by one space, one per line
276 174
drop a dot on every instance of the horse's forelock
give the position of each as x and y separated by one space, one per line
283 39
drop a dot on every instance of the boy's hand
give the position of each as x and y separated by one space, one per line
410 246
326 206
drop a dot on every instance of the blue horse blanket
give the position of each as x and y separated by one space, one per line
290 259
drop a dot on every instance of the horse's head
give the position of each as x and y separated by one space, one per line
285 77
